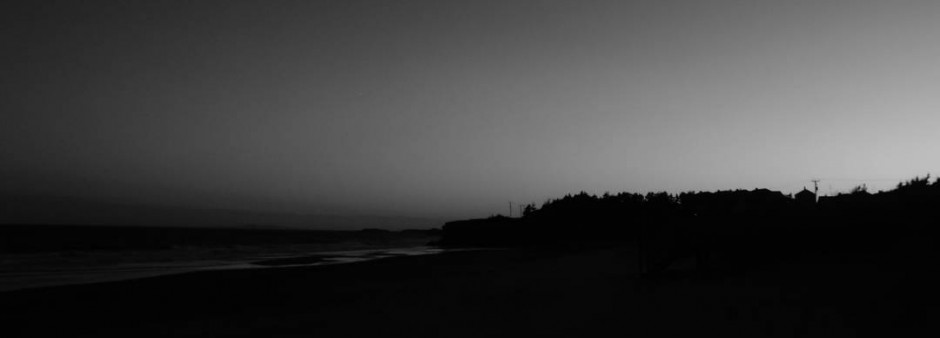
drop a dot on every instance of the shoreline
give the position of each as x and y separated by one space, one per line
527 292
54 277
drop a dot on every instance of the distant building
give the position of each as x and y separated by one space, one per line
806 198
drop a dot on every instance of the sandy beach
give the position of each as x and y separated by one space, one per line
583 292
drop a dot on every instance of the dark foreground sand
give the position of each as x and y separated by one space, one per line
586 292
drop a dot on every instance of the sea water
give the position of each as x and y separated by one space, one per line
22 271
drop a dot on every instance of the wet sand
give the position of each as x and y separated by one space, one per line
584 292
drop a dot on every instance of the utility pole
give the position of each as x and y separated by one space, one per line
816 189
510 208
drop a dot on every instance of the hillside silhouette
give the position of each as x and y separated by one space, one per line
722 230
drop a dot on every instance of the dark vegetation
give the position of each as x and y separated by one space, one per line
720 230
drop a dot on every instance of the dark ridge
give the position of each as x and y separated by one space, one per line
722 230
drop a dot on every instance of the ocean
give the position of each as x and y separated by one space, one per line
81 255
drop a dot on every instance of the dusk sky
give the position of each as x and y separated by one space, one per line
451 109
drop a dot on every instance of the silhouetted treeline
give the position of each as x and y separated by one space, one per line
737 225
622 216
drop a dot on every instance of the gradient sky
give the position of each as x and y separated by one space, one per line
453 108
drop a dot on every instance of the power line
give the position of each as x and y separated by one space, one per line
863 179
510 208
